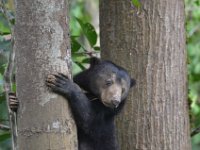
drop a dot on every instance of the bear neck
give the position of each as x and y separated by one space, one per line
83 80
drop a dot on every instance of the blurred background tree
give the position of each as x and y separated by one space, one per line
84 26
193 47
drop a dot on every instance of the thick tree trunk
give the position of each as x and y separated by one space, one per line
150 43
42 47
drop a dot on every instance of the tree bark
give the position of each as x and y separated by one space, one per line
150 43
42 47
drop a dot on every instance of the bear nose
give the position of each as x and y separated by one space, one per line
115 103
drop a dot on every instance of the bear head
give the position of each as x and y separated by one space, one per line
106 81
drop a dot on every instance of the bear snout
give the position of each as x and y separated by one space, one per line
115 103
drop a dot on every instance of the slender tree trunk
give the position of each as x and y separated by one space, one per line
42 47
150 43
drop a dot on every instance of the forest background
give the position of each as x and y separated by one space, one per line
84 28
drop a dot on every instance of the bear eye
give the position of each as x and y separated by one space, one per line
109 82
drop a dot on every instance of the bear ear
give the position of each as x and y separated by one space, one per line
133 82
94 61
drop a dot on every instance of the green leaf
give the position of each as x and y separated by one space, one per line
89 32
86 60
78 57
14 87
4 136
81 65
197 2
2 69
97 48
75 45
2 98
4 27
75 68
136 3
3 107
3 59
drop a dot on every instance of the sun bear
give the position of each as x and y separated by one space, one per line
106 88
96 96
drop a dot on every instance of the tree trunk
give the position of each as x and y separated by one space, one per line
42 47
149 42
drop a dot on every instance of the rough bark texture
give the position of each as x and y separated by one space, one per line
42 47
150 43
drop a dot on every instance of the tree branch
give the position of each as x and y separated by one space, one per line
195 131
4 127
8 88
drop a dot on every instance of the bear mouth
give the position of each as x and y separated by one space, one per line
110 105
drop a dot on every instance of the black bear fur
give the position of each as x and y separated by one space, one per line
94 120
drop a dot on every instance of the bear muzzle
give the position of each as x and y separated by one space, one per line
115 103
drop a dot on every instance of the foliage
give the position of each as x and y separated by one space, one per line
83 36
193 48
5 45
84 44
136 3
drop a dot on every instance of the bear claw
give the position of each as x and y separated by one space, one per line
13 102
57 82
